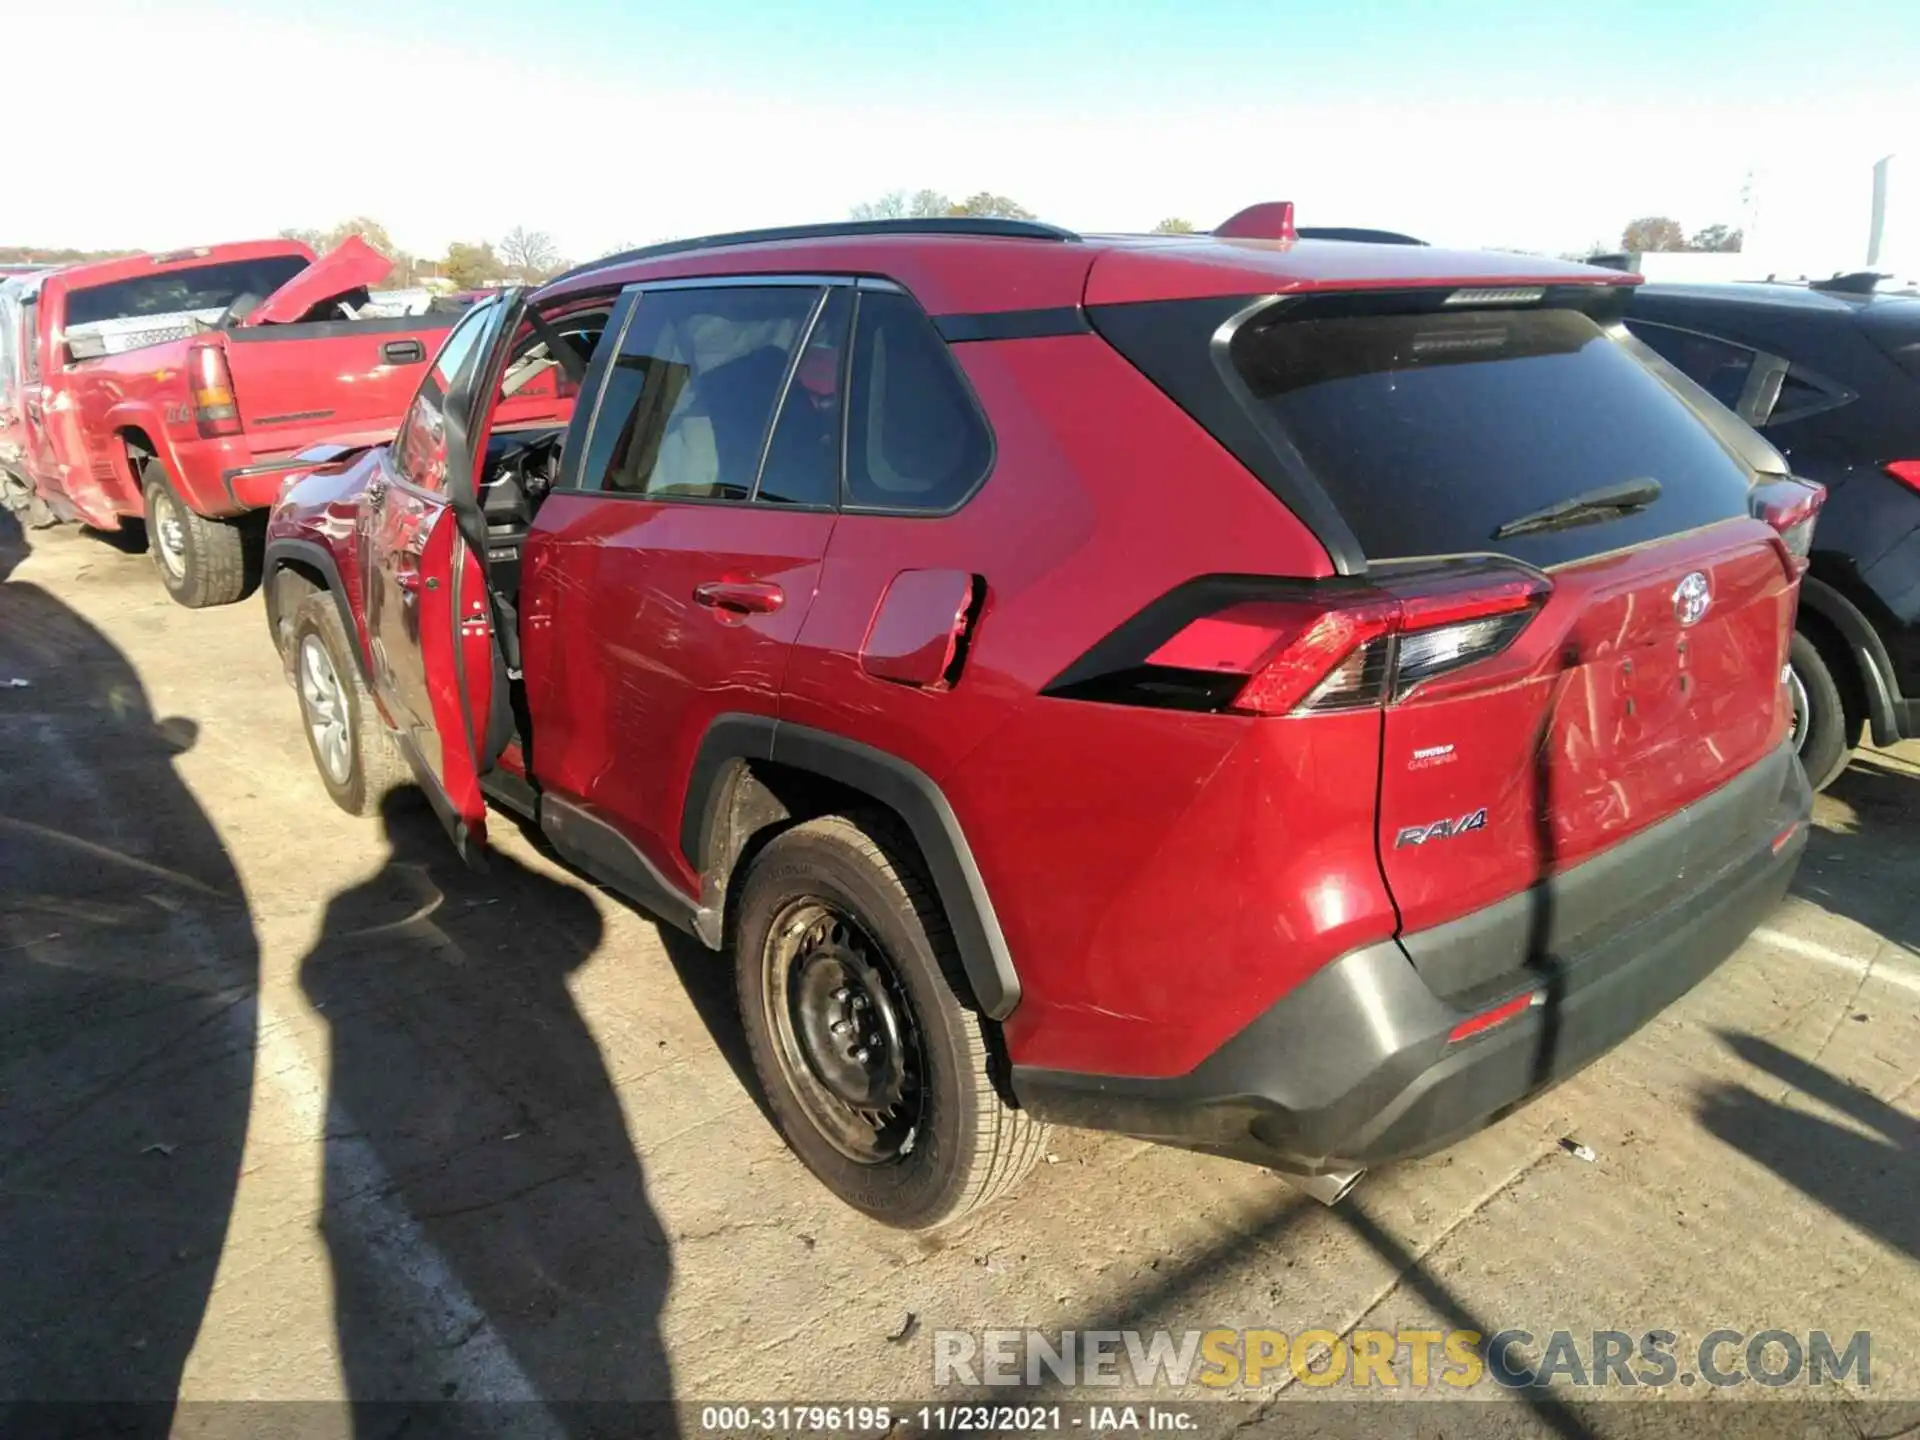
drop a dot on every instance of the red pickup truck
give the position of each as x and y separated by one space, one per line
178 389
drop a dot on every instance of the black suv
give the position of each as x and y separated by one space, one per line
1831 374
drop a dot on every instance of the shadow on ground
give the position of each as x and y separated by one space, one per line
1865 848
128 979
1866 1172
467 1094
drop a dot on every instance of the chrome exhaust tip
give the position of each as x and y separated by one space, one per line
1328 1189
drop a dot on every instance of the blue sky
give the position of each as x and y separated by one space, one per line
1542 125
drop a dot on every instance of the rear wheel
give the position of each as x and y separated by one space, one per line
876 1072
1821 728
201 561
357 762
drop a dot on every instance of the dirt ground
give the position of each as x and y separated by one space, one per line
295 1108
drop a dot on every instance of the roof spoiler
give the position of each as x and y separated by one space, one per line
1273 220
1613 260
1857 282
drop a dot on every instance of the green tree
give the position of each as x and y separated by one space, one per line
986 204
1653 233
471 266
1720 239
1173 225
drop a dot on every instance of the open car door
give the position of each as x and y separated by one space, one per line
439 665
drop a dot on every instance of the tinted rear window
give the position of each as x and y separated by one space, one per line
197 287
1423 430
1431 431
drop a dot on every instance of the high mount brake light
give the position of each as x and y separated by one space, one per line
1791 507
215 411
1367 648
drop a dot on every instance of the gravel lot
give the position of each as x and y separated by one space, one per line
293 1107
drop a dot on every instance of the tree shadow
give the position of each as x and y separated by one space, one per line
1867 1176
1863 867
128 986
485 1212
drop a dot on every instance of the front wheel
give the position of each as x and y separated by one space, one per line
876 1073
201 561
1821 730
357 762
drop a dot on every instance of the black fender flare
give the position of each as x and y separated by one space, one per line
1870 656
903 788
285 550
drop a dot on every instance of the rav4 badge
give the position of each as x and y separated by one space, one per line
1441 829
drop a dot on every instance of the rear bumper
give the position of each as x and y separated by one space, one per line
1356 1066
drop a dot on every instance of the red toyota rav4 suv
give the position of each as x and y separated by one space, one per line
1291 698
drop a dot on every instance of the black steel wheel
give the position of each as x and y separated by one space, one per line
847 1042
874 1064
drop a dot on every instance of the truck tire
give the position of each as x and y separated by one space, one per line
1822 730
876 1072
201 561
357 762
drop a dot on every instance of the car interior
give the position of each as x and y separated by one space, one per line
538 390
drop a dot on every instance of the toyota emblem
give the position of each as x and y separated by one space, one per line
1691 598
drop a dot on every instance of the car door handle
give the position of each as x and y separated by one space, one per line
740 597
403 352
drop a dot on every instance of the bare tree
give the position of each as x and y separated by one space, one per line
902 205
529 254
367 228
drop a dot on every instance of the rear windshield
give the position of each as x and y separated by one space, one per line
1430 431
198 287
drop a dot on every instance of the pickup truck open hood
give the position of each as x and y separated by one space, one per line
349 266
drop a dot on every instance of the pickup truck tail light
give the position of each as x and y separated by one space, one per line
214 408
1907 472
1321 650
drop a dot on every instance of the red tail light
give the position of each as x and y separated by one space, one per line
214 408
1791 507
1370 648
1907 472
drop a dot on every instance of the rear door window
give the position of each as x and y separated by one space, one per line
803 457
916 441
686 409
1430 431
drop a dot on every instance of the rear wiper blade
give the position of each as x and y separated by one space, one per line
1605 503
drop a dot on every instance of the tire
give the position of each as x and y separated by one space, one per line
839 899
201 562
1822 729
357 762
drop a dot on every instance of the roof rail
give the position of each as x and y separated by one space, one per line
1356 233
970 225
